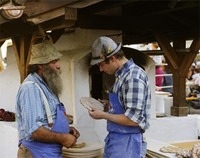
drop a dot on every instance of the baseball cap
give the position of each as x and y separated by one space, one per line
103 48
44 52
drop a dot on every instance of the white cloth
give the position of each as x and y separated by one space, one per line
196 78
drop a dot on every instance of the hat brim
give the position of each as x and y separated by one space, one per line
97 61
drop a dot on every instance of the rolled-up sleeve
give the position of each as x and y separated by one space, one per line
31 108
134 101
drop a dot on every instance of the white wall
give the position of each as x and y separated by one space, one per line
173 129
9 139
9 82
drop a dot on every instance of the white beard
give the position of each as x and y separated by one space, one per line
53 79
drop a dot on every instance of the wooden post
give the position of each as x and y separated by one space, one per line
179 65
21 46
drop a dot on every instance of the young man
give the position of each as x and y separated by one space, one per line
128 115
42 123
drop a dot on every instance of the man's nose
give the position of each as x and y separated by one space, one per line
58 65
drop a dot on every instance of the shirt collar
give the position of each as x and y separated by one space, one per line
36 78
124 68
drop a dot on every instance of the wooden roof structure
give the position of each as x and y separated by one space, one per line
141 21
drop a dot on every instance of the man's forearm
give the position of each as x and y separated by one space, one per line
45 135
120 119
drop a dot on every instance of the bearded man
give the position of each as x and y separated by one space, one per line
42 123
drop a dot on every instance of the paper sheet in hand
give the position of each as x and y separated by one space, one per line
90 103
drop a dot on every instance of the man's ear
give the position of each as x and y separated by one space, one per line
112 58
40 67
39 72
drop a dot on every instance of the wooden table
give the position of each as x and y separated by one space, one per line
192 98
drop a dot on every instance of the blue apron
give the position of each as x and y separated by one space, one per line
121 141
45 150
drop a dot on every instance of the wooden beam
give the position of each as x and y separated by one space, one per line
195 46
106 7
189 58
70 13
100 22
57 23
15 28
22 58
164 43
66 21
83 4
47 16
34 8
184 6
160 52
21 46
15 42
28 51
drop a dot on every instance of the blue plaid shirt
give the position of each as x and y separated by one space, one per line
133 91
30 109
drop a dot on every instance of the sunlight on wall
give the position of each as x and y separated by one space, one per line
3 54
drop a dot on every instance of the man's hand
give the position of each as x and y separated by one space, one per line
67 140
74 132
97 113
106 104
71 138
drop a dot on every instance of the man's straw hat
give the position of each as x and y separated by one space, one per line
43 53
